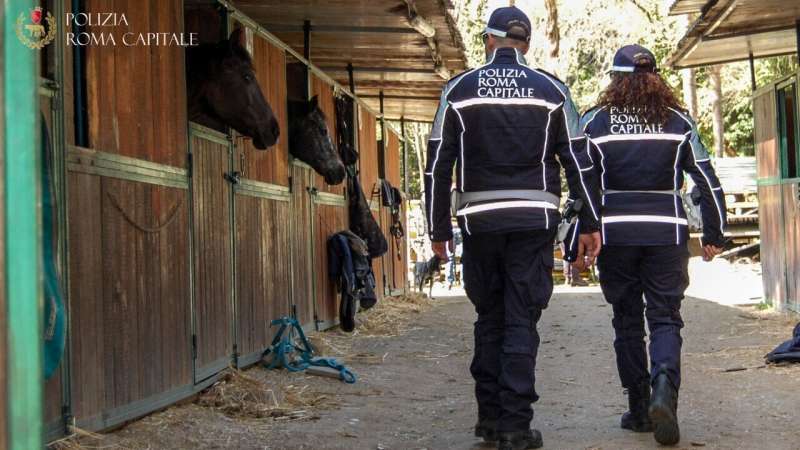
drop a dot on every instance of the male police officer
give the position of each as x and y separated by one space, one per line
506 128
645 143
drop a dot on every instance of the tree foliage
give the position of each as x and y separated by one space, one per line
591 31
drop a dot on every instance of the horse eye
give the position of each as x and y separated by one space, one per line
248 77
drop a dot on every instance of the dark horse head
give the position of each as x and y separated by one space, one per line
223 91
310 141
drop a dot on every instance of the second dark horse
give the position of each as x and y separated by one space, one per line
310 140
223 91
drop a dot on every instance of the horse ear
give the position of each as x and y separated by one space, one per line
313 103
235 39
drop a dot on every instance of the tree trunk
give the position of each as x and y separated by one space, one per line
420 146
690 91
716 105
553 33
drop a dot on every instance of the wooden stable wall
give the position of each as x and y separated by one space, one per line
779 208
369 178
176 270
128 210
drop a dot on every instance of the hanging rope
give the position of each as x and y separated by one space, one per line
145 229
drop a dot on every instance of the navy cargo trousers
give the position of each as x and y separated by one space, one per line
639 282
508 277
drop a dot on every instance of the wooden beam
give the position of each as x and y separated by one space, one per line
402 97
376 69
797 33
278 28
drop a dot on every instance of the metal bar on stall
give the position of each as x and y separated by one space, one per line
350 78
22 238
405 153
307 56
79 81
382 147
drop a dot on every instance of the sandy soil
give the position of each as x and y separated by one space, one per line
415 392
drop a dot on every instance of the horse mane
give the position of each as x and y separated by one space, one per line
201 57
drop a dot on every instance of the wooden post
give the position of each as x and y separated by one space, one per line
715 75
753 81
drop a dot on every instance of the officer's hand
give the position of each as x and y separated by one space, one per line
588 248
710 251
593 251
440 248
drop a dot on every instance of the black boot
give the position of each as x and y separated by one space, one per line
664 411
519 440
486 429
637 419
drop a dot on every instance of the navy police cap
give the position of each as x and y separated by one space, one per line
634 58
504 19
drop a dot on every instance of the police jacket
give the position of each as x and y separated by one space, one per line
506 127
641 167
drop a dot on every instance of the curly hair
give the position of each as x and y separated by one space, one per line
646 93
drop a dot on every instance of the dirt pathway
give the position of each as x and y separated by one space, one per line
414 389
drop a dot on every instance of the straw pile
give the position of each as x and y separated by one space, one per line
392 315
239 395
80 440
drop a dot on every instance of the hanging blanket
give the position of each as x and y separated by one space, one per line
349 264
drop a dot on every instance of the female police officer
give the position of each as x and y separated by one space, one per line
641 142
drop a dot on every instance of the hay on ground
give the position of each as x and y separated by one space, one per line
239 395
391 316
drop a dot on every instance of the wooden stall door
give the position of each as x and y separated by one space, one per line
261 216
129 297
213 256
769 197
302 243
